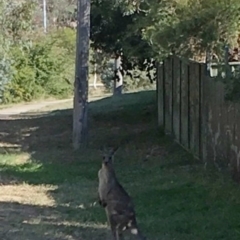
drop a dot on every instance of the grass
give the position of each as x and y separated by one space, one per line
49 192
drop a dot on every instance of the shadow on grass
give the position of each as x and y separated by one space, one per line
174 197
110 119
48 137
37 149
43 222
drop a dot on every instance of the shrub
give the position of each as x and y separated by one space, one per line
44 67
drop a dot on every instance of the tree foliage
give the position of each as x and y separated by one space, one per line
143 30
33 64
15 25
192 27
115 29
150 28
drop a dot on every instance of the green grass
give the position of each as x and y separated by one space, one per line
175 197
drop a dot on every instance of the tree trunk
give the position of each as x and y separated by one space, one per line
118 77
80 111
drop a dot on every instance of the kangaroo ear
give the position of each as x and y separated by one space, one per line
114 150
102 149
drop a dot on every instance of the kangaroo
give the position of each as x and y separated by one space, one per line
115 200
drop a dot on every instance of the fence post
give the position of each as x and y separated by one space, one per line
203 112
194 107
184 103
160 93
168 95
176 98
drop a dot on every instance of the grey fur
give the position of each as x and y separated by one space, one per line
115 200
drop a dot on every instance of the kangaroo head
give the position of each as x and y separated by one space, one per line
107 173
108 155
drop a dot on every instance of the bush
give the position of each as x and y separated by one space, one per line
44 67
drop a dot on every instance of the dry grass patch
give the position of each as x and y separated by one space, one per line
27 194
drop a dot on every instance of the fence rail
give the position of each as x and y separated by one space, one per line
191 107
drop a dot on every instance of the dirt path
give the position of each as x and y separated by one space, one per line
18 109
49 105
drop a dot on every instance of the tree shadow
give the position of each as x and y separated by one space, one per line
24 221
42 143
42 134
46 138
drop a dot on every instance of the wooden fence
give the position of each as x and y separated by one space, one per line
191 107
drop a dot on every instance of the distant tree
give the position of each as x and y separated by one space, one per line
116 30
